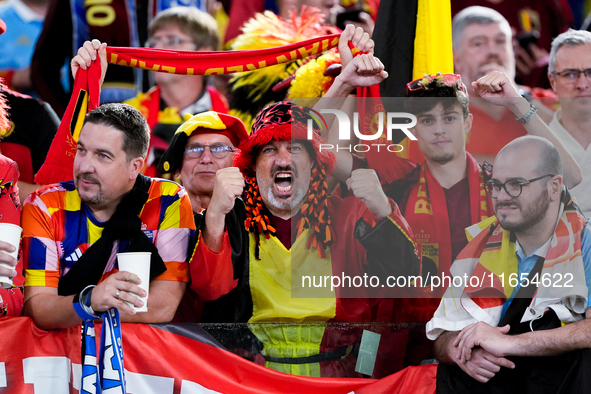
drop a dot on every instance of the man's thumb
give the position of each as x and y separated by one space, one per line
505 329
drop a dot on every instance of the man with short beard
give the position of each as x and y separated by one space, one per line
73 230
293 227
442 196
535 259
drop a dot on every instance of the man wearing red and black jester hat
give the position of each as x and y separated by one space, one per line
295 228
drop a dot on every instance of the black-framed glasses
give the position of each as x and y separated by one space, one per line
572 75
166 41
218 150
512 187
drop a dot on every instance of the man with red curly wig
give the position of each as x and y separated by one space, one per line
294 231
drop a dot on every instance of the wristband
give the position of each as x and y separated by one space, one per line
82 306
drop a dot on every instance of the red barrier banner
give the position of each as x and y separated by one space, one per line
157 361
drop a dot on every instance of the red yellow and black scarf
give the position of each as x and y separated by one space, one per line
426 212
85 97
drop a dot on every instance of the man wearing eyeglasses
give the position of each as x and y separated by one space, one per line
569 72
203 146
441 197
201 152
535 265
181 29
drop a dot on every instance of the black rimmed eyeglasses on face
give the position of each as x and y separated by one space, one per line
218 150
512 187
572 75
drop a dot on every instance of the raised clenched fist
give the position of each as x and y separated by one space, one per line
365 185
229 184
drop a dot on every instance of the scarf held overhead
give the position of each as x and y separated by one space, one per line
85 94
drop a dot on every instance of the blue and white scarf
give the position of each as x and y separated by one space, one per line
107 375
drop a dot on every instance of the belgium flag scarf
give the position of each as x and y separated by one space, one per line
85 95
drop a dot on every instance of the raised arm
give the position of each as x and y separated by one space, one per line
212 273
498 88
88 53
361 71
229 184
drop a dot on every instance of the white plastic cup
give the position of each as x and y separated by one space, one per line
10 233
137 263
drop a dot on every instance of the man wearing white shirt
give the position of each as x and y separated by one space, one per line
507 333
569 72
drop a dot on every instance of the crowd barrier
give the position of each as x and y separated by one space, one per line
169 359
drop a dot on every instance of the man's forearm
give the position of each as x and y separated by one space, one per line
163 300
336 98
572 172
339 88
50 311
212 274
442 345
553 342
536 126
213 232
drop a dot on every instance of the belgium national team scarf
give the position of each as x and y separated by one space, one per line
426 212
85 97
